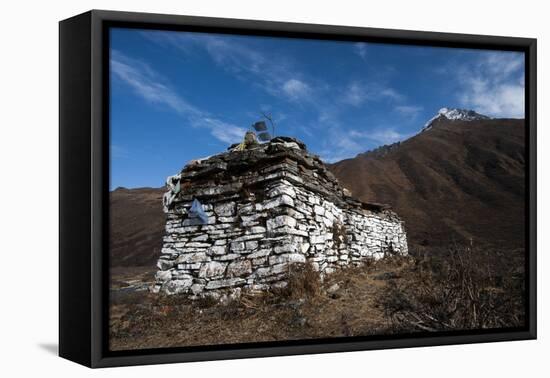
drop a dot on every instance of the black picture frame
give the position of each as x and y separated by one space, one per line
84 178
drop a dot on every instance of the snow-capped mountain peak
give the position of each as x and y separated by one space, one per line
454 114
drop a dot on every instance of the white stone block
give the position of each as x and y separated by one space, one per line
163 276
188 258
218 250
177 286
282 189
319 210
218 284
212 269
280 221
256 230
239 268
226 209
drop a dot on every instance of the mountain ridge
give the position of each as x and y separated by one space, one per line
431 177
454 114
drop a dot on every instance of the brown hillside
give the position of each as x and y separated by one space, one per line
137 226
459 180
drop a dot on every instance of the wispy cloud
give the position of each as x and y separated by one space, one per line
344 143
148 84
360 49
392 94
152 87
410 111
296 89
380 135
273 73
358 92
341 145
118 152
494 85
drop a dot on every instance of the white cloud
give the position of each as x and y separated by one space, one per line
296 89
502 63
496 100
494 85
361 49
150 86
356 94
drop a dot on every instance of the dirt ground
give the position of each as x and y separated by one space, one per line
396 295
344 305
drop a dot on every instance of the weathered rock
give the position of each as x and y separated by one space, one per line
177 286
257 230
225 209
197 245
283 200
163 264
260 253
238 246
280 221
287 258
228 282
283 189
251 245
333 288
198 238
239 268
196 289
188 258
163 276
218 249
212 269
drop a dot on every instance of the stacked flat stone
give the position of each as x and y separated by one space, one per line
268 207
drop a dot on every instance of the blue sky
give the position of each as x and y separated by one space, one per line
178 96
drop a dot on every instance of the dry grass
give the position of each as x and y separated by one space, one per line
303 283
392 295
467 289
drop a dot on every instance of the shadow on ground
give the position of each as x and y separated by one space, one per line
51 348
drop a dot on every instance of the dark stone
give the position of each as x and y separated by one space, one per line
232 146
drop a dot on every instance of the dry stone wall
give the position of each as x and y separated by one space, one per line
267 207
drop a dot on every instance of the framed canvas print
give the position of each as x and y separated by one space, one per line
234 188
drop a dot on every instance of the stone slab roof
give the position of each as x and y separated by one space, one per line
281 158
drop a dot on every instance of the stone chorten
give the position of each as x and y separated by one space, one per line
264 207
